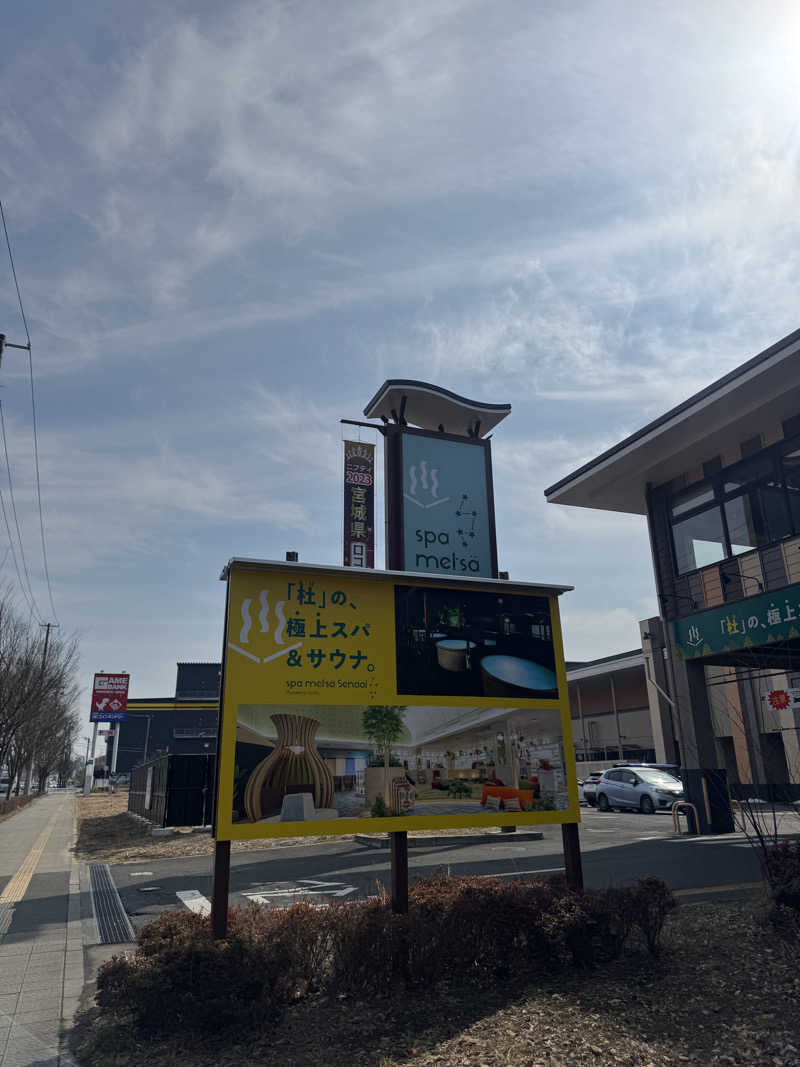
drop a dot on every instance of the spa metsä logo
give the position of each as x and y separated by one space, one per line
423 486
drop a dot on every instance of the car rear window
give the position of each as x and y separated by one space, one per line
658 778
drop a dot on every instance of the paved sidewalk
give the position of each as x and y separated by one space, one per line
41 947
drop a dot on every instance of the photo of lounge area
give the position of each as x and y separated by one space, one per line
297 764
456 642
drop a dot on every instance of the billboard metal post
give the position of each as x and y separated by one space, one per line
573 867
220 888
399 846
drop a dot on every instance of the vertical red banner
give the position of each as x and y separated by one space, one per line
359 504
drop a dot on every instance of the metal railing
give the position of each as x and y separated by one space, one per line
684 806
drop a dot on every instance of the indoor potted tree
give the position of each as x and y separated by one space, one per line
383 726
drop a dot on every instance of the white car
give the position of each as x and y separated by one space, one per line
641 788
587 788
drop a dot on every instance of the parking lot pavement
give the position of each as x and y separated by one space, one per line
617 848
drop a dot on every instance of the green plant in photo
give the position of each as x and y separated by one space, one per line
383 726
379 809
458 788
546 802
376 760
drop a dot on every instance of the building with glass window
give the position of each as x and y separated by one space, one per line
718 478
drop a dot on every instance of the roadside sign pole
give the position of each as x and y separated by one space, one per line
117 729
88 779
220 888
572 855
392 450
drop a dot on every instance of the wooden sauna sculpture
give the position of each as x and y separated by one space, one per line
293 761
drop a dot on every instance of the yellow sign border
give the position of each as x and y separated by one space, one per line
226 830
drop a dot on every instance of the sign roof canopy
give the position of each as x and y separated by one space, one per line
430 408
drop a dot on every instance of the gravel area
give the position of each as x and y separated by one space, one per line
724 993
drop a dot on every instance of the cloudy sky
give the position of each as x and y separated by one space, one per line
233 222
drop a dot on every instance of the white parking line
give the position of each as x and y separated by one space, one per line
194 901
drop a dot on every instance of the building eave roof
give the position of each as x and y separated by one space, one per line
688 433
623 661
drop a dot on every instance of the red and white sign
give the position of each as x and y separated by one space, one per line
109 697
781 699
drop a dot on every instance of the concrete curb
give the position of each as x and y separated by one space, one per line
382 840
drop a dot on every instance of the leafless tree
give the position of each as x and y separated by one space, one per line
37 695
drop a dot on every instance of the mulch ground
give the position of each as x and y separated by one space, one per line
725 991
107 833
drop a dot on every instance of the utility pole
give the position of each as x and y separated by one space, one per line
7 344
47 626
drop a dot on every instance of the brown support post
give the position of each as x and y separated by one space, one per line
220 889
399 842
572 855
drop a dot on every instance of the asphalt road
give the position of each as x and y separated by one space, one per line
617 848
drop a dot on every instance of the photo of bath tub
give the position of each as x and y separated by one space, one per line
465 643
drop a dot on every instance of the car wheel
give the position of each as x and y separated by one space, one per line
646 806
602 803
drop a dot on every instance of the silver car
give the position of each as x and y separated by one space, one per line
640 788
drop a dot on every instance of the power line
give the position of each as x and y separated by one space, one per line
39 487
13 553
16 520
33 414
14 273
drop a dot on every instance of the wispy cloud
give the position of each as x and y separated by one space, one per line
232 222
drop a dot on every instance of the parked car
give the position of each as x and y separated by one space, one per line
587 788
641 788
670 768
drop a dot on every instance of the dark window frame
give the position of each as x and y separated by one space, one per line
716 482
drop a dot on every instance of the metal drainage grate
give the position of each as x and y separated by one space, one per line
113 925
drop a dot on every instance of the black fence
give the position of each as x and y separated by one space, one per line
767 793
174 790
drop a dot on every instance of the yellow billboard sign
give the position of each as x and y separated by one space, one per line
470 676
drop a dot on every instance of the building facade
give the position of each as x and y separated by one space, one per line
610 711
718 478
185 723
